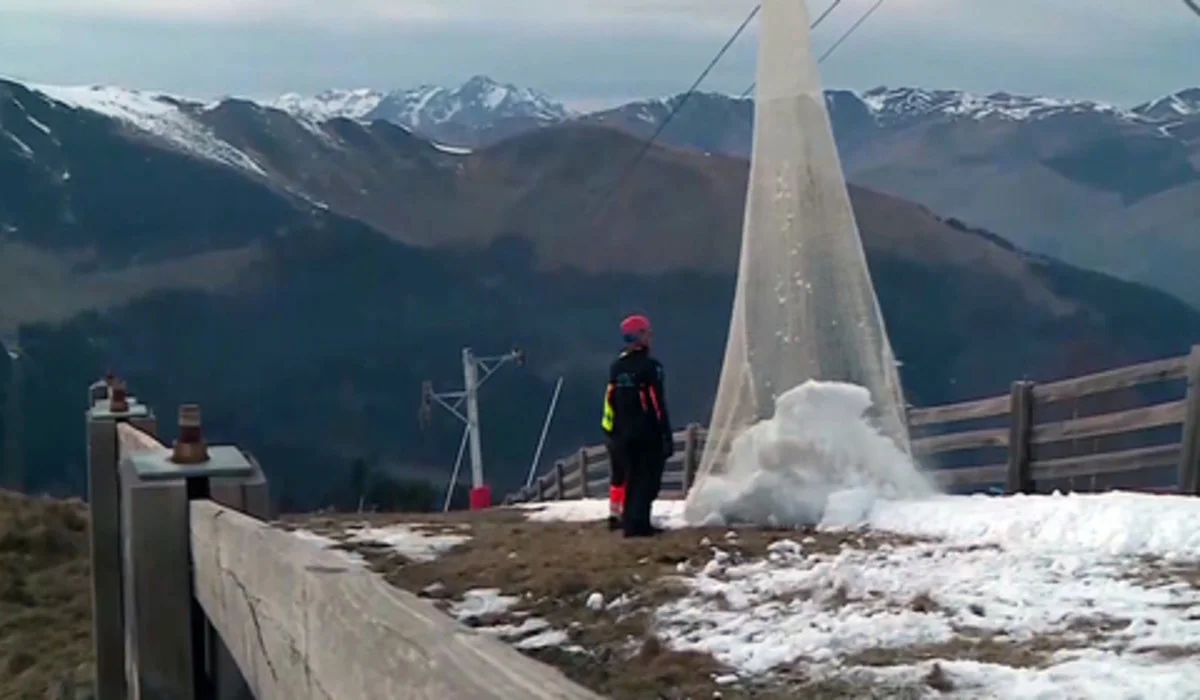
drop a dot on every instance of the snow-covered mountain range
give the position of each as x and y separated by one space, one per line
482 100
1110 188
482 111
477 103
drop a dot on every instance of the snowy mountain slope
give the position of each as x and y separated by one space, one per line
474 103
350 104
442 113
1181 105
169 118
891 105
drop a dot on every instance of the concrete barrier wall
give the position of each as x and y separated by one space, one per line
304 622
198 597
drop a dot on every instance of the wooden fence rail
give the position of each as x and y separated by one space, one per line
197 597
1014 426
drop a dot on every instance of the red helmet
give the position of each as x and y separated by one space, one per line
634 328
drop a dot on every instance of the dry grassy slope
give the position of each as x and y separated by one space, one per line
45 615
676 210
36 285
683 210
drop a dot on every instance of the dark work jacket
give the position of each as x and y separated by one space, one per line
635 404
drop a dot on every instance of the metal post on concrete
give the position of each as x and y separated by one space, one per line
481 494
109 405
471 383
172 650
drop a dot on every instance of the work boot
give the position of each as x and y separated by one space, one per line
614 523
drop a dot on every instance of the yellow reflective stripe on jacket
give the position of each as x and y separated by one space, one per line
607 422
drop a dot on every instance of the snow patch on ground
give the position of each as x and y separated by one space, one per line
1046 596
1114 523
482 602
532 633
821 609
410 540
668 514
407 540
1091 676
452 150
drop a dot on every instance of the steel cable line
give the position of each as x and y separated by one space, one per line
1194 5
678 106
845 35
637 159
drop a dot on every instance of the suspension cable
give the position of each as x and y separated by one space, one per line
845 35
637 159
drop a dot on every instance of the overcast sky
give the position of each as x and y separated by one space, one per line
592 52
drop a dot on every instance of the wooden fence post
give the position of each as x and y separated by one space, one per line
582 466
1021 427
108 408
691 455
558 481
1189 449
173 651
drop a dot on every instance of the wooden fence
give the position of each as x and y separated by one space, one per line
1138 423
196 596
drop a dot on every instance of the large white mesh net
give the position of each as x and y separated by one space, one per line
804 307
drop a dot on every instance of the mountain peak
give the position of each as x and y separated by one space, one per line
353 103
906 103
1185 103
478 101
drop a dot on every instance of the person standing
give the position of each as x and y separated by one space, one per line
637 428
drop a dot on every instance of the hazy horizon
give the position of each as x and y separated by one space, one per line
591 54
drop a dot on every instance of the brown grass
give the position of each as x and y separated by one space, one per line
988 647
1154 572
45 604
555 567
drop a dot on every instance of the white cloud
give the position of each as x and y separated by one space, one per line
1055 26
1113 50
688 15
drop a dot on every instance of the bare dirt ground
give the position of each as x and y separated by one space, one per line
554 567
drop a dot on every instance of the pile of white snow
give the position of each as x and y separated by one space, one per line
818 450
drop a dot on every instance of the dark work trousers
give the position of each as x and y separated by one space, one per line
617 464
616 483
642 485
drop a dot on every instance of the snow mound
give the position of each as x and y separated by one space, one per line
818 458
